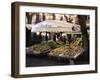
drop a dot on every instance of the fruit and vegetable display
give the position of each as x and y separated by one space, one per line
76 51
66 52
59 49
46 46
41 48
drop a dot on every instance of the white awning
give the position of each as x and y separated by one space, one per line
55 26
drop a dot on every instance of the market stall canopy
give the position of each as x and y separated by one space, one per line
55 26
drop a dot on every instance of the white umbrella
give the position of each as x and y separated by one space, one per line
55 26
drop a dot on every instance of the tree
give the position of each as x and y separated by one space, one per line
38 18
44 17
29 17
54 17
82 22
85 57
28 31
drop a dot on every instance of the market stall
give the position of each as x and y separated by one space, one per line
55 41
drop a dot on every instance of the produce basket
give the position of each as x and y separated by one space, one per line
67 53
45 47
41 49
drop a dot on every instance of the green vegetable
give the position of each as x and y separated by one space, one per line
52 44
